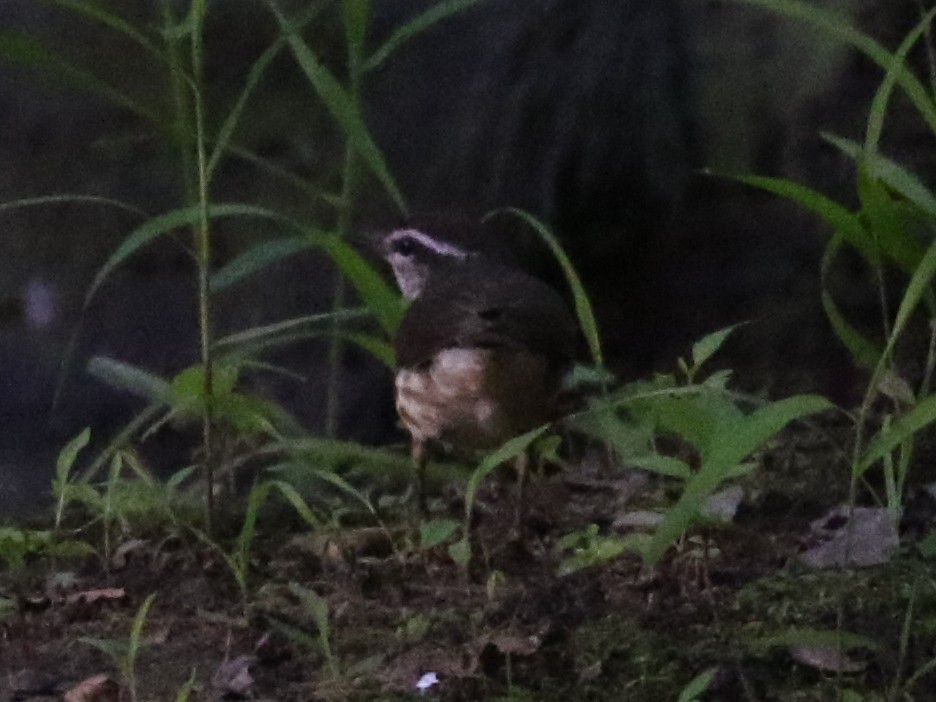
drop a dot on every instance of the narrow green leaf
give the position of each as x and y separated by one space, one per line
317 607
115 22
381 349
662 465
342 107
370 285
918 286
841 27
131 429
356 18
34 54
136 630
69 454
831 212
254 75
255 259
416 26
699 684
460 552
727 449
436 531
886 222
763 423
512 448
186 28
255 499
583 307
902 429
163 224
226 132
882 96
346 487
705 348
284 175
864 352
46 200
257 339
189 383
892 173
819 638
133 379
293 497
184 693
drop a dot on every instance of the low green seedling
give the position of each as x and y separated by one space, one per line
125 652
588 547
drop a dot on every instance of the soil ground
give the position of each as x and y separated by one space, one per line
525 621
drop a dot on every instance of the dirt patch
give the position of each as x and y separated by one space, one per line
360 612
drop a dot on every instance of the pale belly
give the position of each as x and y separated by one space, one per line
475 398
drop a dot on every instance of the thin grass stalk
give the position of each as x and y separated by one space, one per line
178 132
202 237
345 220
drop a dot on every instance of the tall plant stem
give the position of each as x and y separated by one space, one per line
202 237
345 222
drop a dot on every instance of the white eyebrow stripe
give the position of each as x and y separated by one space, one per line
440 247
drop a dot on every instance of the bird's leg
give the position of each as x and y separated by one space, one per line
522 465
420 457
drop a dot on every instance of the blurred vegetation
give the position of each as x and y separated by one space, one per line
251 450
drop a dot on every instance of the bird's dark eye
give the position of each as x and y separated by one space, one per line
404 246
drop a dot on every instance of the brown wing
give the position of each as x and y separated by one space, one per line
485 305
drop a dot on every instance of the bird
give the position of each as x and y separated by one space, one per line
481 351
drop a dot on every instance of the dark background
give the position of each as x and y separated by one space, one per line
596 116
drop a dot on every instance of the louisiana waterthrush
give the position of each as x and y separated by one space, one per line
481 351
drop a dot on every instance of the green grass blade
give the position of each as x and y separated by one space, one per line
46 200
831 212
69 454
286 176
920 416
707 346
379 297
342 107
841 27
863 351
308 326
34 54
292 496
763 423
699 684
254 75
370 285
256 259
143 419
226 131
355 18
918 286
583 307
136 630
381 349
509 450
164 224
416 26
886 88
115 22
737 441
130 378
892 173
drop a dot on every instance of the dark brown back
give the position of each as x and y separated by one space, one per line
486 305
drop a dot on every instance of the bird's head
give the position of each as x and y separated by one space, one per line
414 255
